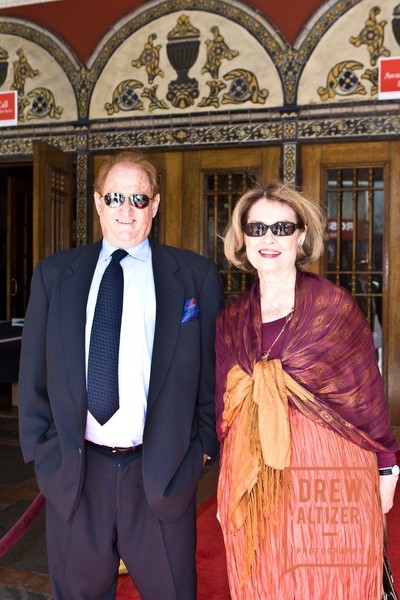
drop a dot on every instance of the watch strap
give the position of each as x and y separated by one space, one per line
390 470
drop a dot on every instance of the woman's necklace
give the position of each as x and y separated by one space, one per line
289 317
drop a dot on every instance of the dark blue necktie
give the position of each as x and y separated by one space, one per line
102 378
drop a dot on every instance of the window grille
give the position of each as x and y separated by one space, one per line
221 192
354 200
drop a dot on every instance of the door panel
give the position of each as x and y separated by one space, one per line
52 201
367 239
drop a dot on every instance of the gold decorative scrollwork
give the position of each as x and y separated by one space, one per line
22 71
372 36
215 88
372 75
23 102
43 105
151 94
41 99
150 59
343 81
183 29
125 98
244 87
217 51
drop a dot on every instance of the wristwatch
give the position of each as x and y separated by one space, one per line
395 470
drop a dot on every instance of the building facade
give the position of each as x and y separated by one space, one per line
217 96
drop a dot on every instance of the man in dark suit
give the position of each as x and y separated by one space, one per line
121 486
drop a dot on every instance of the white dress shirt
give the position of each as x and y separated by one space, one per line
125 428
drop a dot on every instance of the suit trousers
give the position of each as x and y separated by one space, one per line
113 521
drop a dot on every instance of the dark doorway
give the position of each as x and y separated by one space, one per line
16 222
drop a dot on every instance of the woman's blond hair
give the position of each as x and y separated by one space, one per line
307 212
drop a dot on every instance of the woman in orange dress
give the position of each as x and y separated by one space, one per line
301 415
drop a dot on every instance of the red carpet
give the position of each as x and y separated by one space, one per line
211 567
393 539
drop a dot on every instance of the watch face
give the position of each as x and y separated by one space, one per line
395 470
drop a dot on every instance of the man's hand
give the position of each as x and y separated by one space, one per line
205 459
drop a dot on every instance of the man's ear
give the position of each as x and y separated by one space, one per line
154 205
97 201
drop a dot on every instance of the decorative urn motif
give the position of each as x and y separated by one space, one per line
396 23
182 50
3 65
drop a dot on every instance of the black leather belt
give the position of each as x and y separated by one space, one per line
116 450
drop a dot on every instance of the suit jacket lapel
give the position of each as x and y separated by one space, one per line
169 302
74 293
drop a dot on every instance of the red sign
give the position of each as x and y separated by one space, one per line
389 78
8 108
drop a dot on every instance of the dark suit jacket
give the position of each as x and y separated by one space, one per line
180 423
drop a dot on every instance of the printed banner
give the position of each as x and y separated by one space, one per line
389 78
8 108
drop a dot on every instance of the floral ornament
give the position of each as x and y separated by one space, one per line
155 102
244 87
372 75
372 36
342 80
215 88
217 51
23 102
150 59
22 71
125 98
43 105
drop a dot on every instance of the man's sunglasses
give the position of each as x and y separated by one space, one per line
280 228
114 199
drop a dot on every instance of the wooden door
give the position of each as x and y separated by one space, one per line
358 183
52 200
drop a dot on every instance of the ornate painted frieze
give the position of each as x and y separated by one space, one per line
28 66
170 62
184 64
349 127
178 136
349 53
289 163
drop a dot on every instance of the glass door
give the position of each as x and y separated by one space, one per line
357 184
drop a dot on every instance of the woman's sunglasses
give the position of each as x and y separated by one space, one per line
280 228
114 199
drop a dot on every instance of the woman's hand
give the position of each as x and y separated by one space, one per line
387 485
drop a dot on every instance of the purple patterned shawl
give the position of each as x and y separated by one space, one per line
328 349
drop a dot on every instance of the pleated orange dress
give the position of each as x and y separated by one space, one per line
325 543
